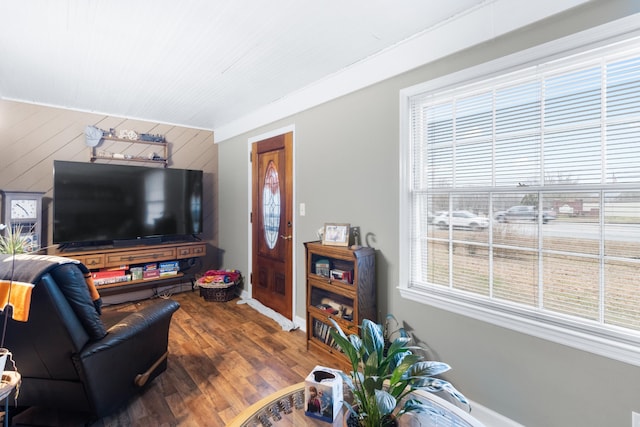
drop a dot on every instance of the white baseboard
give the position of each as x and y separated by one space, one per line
491 418
301 323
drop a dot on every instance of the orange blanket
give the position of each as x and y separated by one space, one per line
18 296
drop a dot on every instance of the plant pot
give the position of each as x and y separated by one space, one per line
350 420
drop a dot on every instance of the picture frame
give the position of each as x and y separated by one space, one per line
335 234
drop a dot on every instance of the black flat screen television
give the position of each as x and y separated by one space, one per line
97 203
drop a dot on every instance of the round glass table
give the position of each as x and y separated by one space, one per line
285 408
9 382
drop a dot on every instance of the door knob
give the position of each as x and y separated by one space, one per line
286 237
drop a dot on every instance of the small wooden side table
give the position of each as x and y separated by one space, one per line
10 380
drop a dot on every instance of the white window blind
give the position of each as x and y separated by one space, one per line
549 156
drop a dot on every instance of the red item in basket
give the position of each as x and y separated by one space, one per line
221 276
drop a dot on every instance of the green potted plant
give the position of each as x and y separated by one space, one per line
381 378
12 239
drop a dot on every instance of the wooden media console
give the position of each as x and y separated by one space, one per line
97 259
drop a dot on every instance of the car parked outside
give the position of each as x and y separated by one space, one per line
461 219
524 213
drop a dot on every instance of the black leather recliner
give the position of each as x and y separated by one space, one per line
69 359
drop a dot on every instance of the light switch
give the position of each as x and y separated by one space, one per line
303 209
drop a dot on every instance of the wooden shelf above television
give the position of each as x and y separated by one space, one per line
125 153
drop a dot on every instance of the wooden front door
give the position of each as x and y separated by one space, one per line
272 228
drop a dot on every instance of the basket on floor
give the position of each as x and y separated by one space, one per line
219 285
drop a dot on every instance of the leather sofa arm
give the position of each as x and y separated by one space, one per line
132 325
133 345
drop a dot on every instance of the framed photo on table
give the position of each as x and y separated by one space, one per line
336 234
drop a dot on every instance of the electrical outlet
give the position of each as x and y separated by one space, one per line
635 419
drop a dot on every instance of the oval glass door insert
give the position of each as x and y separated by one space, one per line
271 205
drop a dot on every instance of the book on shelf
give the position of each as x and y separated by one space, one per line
120 267
106 274
345 276
150 274
168 266
111 280
168 273
150 266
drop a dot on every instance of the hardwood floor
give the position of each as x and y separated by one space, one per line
223 357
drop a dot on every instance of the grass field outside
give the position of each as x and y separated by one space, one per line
557 275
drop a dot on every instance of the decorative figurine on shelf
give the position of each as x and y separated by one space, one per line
127 134
151 138
355 233
155 156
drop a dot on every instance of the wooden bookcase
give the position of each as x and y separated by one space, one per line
348 300
136 256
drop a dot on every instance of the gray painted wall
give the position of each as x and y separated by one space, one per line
346 170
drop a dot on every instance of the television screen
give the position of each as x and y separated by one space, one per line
95 202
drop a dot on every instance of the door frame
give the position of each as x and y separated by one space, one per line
250 142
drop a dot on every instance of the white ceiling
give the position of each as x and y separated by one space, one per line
209 63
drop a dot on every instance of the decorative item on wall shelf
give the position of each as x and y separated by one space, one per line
121 143
151 138
94 135
127 134
119 156
336 234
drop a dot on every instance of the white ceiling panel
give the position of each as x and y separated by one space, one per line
196 63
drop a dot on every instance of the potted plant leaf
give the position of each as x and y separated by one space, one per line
12 239
381 378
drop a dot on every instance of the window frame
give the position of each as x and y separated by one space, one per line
622 345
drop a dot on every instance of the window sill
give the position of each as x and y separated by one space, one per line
621 347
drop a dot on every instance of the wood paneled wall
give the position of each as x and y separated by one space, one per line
33 136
